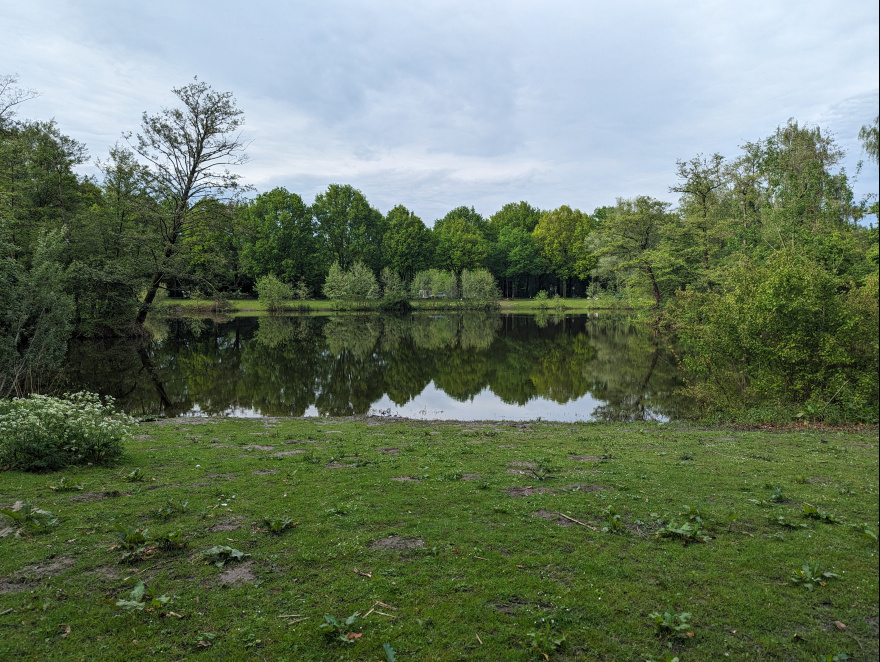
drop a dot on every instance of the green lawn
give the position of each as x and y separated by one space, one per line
451 541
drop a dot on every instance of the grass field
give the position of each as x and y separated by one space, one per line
448 541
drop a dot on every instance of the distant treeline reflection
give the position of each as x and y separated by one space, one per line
282 366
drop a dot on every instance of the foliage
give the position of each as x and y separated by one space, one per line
42 433
28 518
220 555
671 623
273 292
278 525
478 285
336 630
810 575
141 598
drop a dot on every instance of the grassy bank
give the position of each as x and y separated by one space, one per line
250 306
451 541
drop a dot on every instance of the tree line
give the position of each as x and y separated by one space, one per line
762 259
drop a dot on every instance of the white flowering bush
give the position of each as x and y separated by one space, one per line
42 433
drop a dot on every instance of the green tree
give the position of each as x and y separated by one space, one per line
349 227
406 246
460 240
273 292
189 150
561 235
868 134
279 235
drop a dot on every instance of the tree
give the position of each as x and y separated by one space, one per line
189 150
349 227
406 245
12 95
460 240
868 134
561 235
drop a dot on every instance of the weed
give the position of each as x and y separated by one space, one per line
136 476
546 638
672 624
131 538
223 554
780 520
172 541
840 657
170 509
614 522
811 512
686 457
64 486
810 575
865 531
141 598
390 653
28 518
607 454
278 525
336 631
688 532
801 480
206 639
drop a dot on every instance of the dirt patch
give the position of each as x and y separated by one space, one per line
222 446
86 497
104 572
472 477
585 458
725 439
240 573
519 472
337 465
527 465
396 544
510 607
6 530
507 447
301 441
553 517
231 524
48 568
406 479
298 451
142 437
216 476
388 451
530 490
264 472
257 447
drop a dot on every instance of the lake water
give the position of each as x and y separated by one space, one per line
461 366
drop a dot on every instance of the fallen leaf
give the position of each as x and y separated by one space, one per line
18 505
690 634
840 626
355 635
66 630
171 613
203 643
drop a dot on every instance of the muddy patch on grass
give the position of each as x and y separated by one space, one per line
510 607
218 476
556 518
104 572
406 479
48 568
338 465
297 451
258 447
388 451
240 573
142 437
301 441
396 544
507 447
222 445
471 476
530 490
527 465
88 497
264 472
230 524
585 458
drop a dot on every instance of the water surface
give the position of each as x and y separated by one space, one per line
435 366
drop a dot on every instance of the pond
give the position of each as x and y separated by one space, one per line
460 366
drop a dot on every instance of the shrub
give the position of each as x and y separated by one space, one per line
478 284
42 433
273 292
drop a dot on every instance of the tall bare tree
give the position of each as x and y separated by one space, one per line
11 95
189 150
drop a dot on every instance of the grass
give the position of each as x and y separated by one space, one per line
449 541
239 306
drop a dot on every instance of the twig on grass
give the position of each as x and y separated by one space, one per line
572 519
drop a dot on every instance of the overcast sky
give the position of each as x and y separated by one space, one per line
439 104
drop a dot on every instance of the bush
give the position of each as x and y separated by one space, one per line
273 292
41 433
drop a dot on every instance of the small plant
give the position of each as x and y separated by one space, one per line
390 653
142 598
172 541
136 476
170 509
780 520
811 575
278 525
546 638
28 518
64 486
865 531
614 522
607 454
223 554
840 657
672 624
131 538
336 631
811 512
542 300
688 532
206 639
801 480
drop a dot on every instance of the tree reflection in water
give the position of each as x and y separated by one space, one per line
343 365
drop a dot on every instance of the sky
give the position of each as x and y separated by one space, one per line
434 105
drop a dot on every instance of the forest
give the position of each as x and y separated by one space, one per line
764 269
